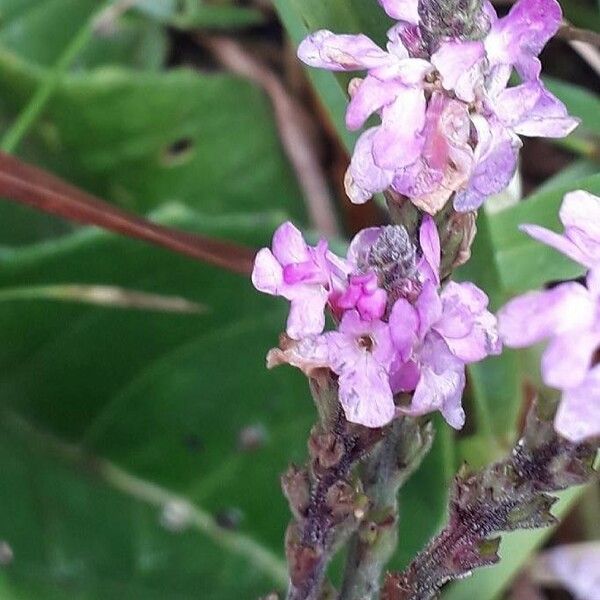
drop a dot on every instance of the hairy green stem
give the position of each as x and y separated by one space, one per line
383 474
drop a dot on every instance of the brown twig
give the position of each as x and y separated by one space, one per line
23 183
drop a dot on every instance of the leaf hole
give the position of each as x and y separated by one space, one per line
179 152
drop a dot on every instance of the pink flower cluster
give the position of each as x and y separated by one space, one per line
569 316
449 124
396 328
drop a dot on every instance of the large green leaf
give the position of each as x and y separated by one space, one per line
164 395
140 139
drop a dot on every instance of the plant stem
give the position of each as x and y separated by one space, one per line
384 473
509 495
326 505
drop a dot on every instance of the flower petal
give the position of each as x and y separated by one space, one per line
404 325
429 240
518 38
289 246
559 242
402 10
364 178
307 312
360 246
459 64
369 96
327 50
468 328
580 214
535 316
530 109
308 354
398 143
267 274
441 384
429 307
578 415
568 358
496 162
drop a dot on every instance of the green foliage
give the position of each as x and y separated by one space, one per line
100 404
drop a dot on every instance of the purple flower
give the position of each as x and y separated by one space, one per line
364 294
361 353
448 123
304 275
409 336
580 215
575 567
438 335
569 316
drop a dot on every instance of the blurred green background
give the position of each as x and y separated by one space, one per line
141 440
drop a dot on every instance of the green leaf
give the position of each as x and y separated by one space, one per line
196 14
493 397
40 30
302 17
585 105
140 139
166 396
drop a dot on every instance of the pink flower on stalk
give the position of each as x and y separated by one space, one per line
304 275
361 353
447 122
569 316
404 336
438 335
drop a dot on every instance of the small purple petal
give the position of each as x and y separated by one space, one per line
441 384
307 312
496 162
398 143
364 178
429 307
568 358
363 369
534 316
267 274
518 38
429 240
580 214
404 325
308 354
360 247
289 245
578 415
406 36
458 63
404 376
530 109
402 10
371 95
468 328
327 50
559 242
